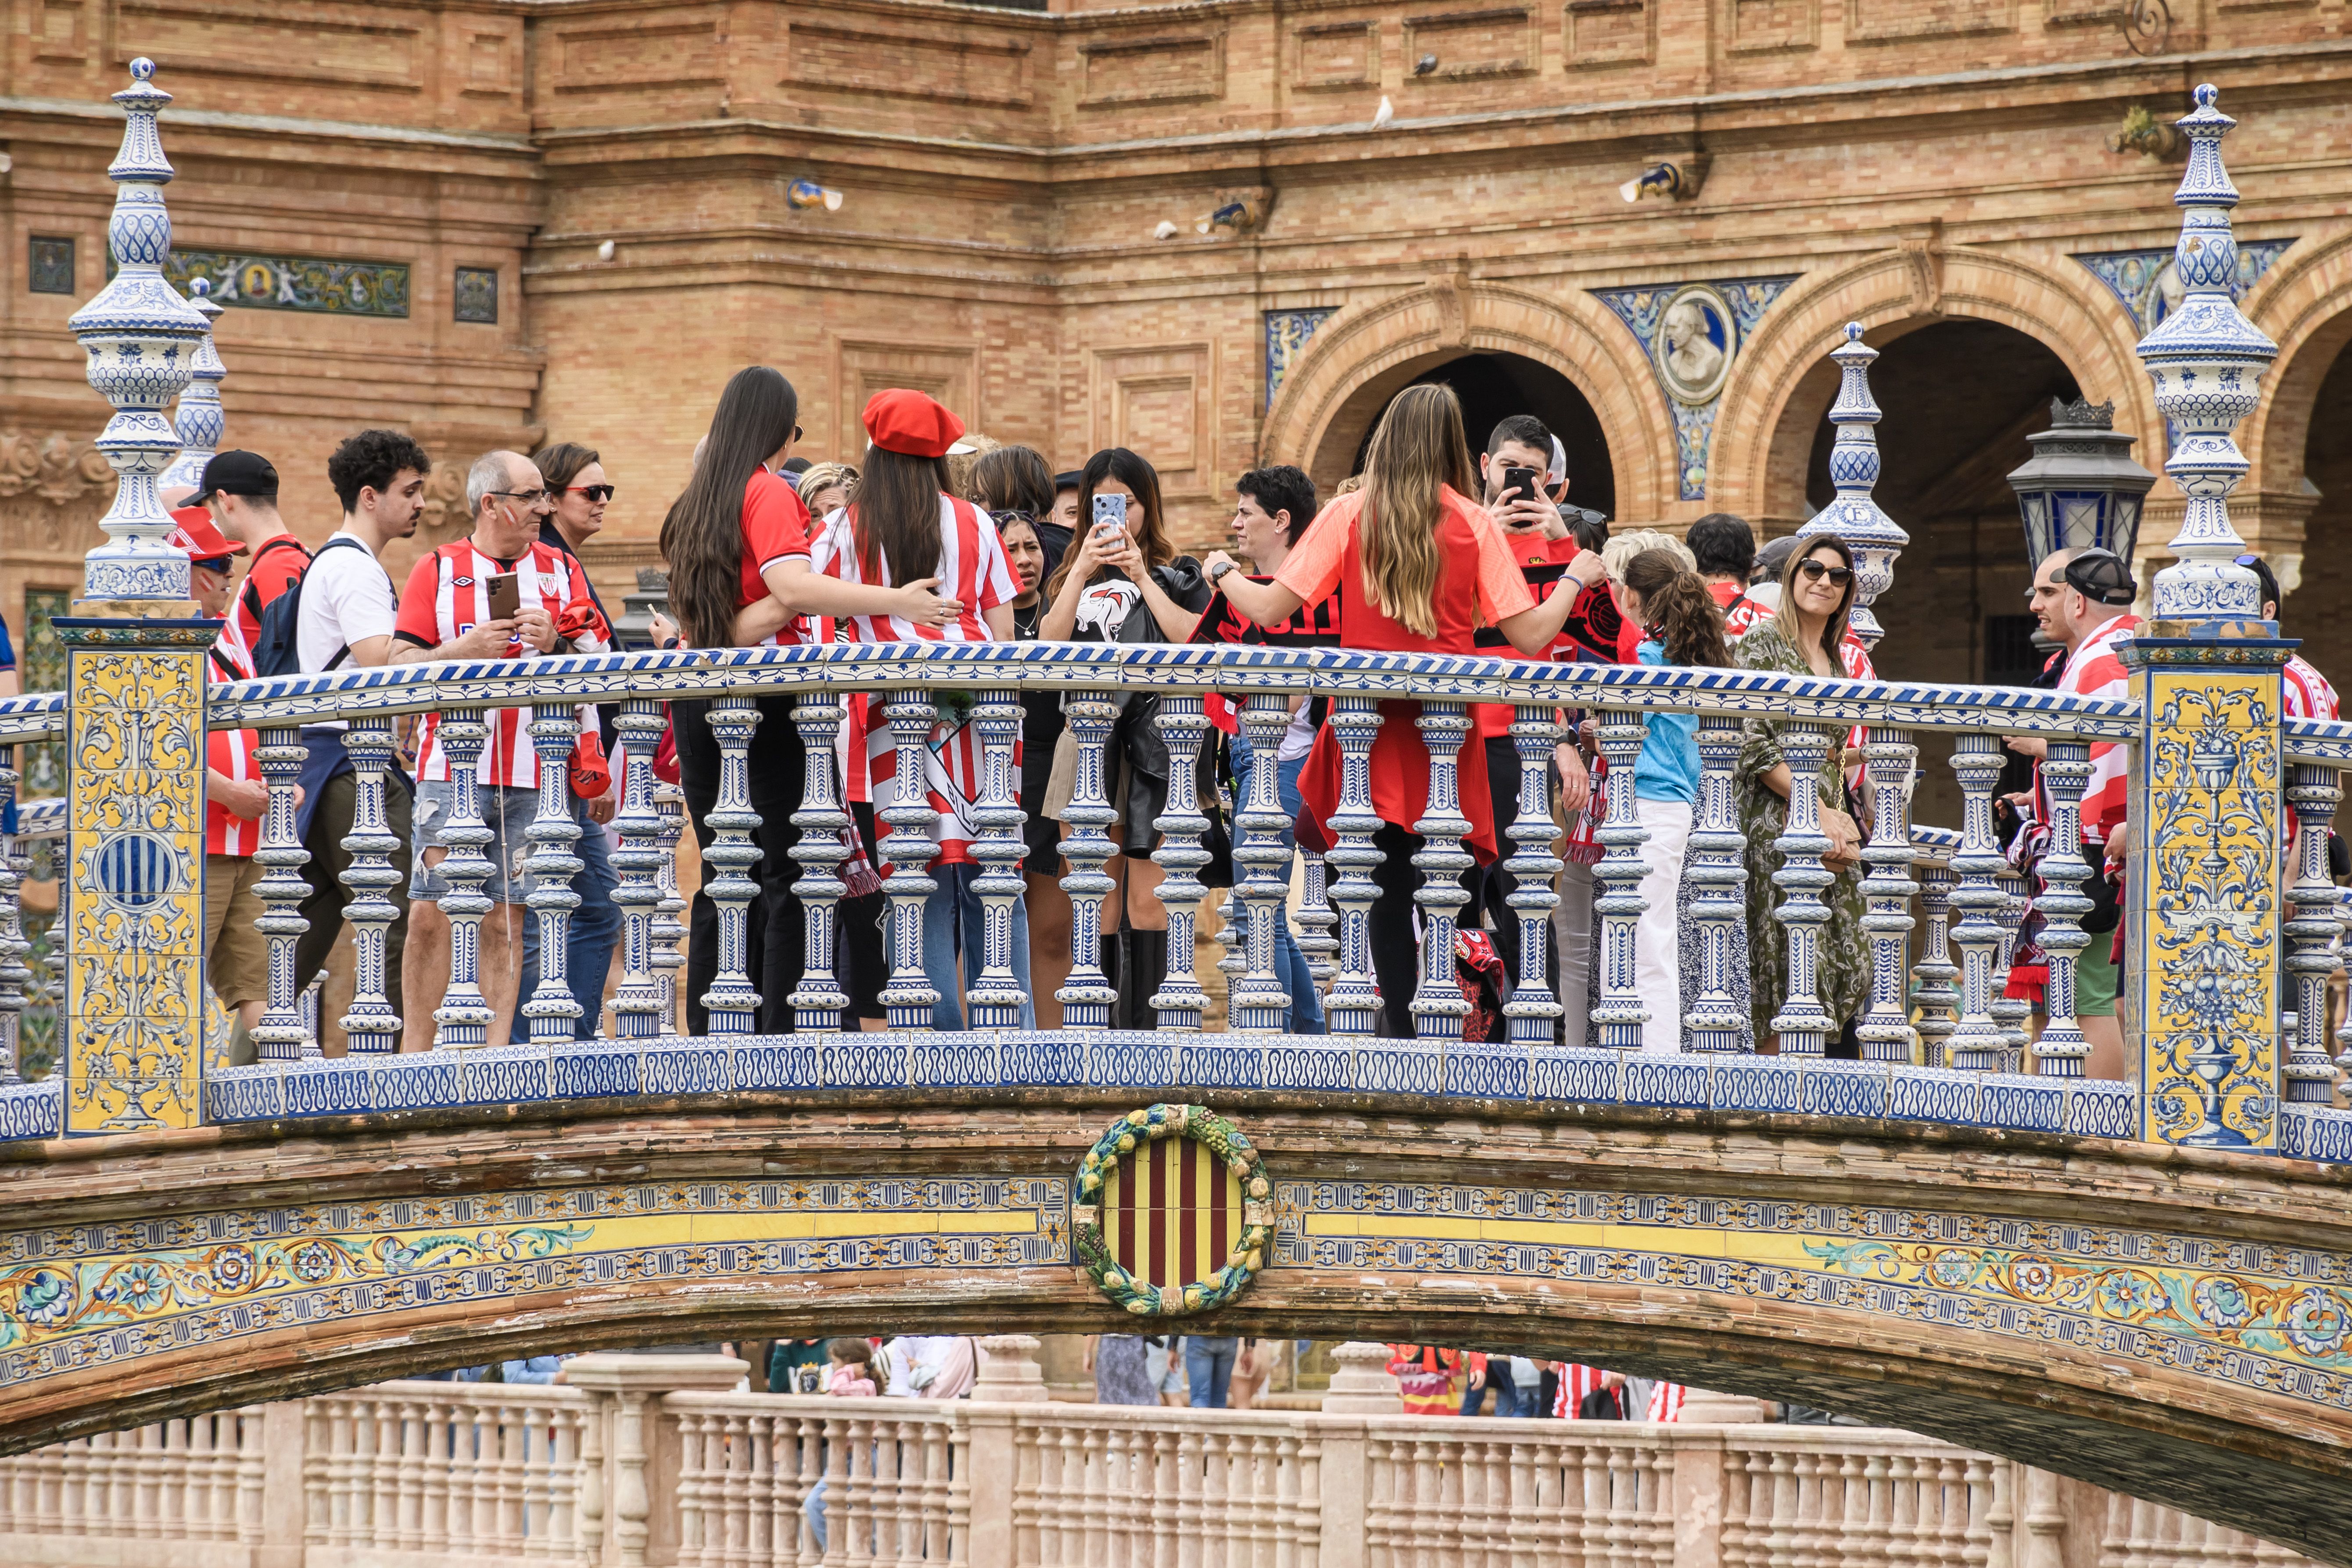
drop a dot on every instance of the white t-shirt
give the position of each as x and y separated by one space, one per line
347 598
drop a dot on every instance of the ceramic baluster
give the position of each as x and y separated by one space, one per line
279 1034
1976 1040
1087 998
636 865
1534 1010
2315 790
1938 1000
1716 1018
995 997
910 998
15 973
819 1001
1803 1025
732 1006
552 1011
1617 900
1438 1004
464 1017
1259 1004
1884 1032
2065 772
373 1024
1354 1001
1316 920
669 925
1184 723
2011 1013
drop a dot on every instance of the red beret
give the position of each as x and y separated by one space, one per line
913 423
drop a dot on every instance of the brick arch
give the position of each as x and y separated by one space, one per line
2305 304
1365 352
1784 382
1955 1281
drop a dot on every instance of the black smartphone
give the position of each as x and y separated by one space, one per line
506 596
1527 481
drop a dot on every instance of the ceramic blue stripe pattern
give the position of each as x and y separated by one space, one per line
30 1111
609 678
2328 741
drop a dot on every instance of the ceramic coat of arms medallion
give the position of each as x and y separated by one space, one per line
1175 1211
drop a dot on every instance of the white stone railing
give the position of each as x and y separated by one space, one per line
640 1467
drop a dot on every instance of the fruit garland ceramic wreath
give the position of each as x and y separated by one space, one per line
1242 1263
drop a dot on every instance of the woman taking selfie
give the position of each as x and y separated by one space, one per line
1419 567
901 525
1806 635
738 551
1122 581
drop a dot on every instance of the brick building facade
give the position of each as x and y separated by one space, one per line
413 199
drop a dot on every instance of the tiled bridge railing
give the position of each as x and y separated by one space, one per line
1932 1051
641 1467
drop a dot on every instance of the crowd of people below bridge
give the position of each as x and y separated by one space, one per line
938 535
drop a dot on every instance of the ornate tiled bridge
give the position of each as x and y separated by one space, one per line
2146 1283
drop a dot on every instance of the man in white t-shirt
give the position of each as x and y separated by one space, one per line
348 609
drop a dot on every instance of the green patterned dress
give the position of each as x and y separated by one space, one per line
1844 968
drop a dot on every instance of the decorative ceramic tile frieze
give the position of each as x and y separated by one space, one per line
2149 285
476 295
313 285
50 264
1692 334
1286 335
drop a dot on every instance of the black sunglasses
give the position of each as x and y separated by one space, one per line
1814 570
220 563
594 492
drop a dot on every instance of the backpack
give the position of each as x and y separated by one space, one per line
277 650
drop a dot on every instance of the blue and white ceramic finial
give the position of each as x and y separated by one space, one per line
1852 515
201 418
2206 359
142 339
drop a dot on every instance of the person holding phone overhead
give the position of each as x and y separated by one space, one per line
1122 581
1419 567
738 548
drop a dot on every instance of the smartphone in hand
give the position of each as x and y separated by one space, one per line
1110 517
506 596
1527 481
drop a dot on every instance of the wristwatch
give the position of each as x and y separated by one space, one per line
1217 573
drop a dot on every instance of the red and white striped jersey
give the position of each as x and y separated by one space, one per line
972 569
1666 1402
1575 1383
230 751
2096 668
447 595
2307 694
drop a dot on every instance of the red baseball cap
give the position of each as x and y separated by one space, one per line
200 536
911 423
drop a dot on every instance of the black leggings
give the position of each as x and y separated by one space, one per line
1396 956
777 936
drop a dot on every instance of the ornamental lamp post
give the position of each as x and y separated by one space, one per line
2081 491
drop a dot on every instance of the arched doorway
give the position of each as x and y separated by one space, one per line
2313 610
1959 399
1492 387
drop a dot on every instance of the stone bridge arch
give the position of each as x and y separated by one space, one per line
1783 383
2169 1323
1360 357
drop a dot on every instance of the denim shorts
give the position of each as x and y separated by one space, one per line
507 810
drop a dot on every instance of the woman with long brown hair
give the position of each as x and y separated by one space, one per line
1127 585
1806 635
1419 566
738 550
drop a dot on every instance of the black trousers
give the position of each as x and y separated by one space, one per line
777 935
1396 955
1493 885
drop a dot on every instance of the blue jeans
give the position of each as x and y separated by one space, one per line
596 932
1289 962
954 920
1209 1369
1506 1392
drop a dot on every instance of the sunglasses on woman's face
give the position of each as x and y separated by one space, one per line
1814 570
594 492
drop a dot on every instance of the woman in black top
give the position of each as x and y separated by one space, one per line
1130 588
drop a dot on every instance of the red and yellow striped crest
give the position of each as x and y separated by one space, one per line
1171 1211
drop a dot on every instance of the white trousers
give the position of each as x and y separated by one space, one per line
1572 922
1657 947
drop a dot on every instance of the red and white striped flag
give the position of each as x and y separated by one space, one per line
1666 1402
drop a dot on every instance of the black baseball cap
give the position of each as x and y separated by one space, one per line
1075 479
237 473
2101 577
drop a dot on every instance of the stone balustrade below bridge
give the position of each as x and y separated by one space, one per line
648 1464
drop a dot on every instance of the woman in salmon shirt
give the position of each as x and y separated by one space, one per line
1419 567
738 548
